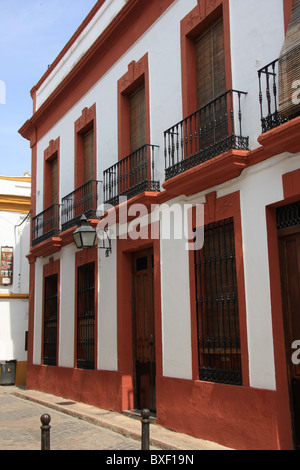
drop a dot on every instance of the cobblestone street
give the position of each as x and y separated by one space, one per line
20 429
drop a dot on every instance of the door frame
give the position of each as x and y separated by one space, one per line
285 234
284 430
125 248
134 256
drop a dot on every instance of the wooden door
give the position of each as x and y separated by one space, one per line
143 329
290 282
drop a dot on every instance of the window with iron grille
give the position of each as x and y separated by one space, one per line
50 320
86 316
217 306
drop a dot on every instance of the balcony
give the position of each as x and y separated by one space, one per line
268 97
212 130
84 200
45 225
131 176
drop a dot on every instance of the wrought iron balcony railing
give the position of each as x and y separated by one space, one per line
45 225
268 97
84 200
131 176
210 131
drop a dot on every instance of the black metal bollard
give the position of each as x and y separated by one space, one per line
45 435
145 429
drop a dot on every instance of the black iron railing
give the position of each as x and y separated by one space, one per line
84 200
45 225
210 131
131 176
268 97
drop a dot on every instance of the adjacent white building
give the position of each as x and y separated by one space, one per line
15 195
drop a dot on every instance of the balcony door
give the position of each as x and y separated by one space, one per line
138 159
211 83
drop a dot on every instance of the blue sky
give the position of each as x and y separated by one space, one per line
32 34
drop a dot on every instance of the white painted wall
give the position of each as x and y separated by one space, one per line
257 36
67 306
256 39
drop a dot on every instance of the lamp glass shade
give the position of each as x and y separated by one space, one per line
77 239
85 235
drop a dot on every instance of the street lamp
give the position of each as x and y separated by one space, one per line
85 236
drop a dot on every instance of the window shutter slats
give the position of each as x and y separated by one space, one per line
88 143
210 64
137 119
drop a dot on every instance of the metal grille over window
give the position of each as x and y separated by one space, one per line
50 320
217 306
288 216
86 316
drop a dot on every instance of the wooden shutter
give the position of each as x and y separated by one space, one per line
54 181
88 145
210 64
137 119
289 66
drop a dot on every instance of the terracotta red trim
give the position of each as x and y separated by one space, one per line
53 267
287 10
84 123
47 247
218 170
96 387
200 18
216 209
88 255
241 418
282 139
137 74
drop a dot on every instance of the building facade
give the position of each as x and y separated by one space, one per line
14 277
155 112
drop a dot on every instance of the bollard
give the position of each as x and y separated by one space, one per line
45 435
145 429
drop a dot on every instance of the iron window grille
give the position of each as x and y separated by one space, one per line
288 216
219 353
86 316
50 321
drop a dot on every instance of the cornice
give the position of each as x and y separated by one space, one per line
58 103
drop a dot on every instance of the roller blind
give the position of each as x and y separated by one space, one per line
88 142
210 64
289 65
137 119
54 181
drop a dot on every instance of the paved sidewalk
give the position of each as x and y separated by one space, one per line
125 426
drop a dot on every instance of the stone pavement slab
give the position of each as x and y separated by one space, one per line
125 426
